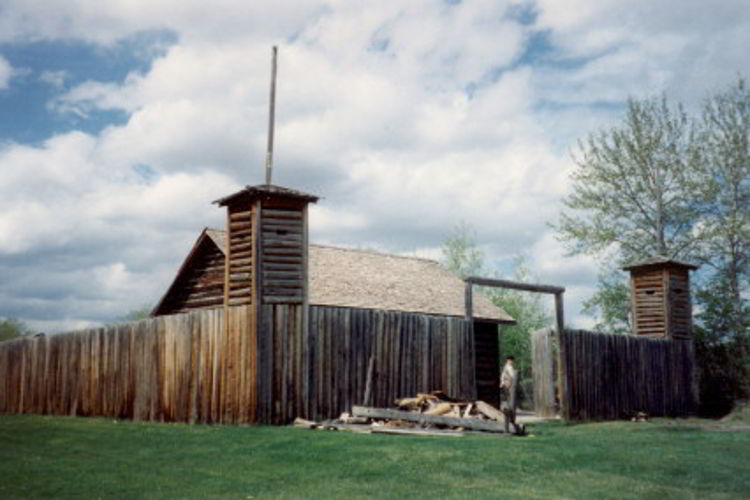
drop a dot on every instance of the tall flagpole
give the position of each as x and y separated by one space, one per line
271 117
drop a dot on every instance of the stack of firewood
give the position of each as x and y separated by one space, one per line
436 403
427 413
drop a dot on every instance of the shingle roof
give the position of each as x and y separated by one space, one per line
659 260
373 280
264 190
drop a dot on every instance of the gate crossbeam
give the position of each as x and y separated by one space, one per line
557 291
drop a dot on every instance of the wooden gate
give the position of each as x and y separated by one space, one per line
543 354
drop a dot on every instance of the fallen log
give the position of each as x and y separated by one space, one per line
415 432
490 411
306 424
439 409
467 412
421 418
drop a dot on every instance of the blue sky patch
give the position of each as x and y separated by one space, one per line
46 69
525 13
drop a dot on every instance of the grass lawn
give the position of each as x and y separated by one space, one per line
62 457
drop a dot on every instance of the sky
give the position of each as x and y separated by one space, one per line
121 121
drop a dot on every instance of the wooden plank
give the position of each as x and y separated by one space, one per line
282 243
233 216
283 236
282 259
421 418
415 432
240 226
281 214
283 266
514 285
294 228
281 300
282 275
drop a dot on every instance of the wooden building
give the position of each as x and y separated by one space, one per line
660 295
258 326
264 261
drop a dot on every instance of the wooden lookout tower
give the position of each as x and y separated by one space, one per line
660 298
266 261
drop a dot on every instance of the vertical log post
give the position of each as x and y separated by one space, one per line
560 324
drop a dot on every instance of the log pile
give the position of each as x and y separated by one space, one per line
425 414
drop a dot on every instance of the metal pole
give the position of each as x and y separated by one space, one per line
271 116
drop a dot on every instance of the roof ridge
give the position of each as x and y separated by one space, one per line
376 252
360 250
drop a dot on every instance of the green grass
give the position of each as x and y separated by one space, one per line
62 457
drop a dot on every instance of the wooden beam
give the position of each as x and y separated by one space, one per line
468 306
421 418
367 398
561 355
559 312
515 285
415 432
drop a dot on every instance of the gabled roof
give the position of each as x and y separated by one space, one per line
262 190
373 280
213 235
659 261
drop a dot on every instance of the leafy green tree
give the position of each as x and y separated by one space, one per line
628 192
723 193
664 183
528 310
460 252
11 328
628 199
610 304
142 312
461 256
722 348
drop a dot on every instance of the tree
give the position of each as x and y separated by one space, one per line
723 193
142 312
610 304
663 183
11 328
460 252
529 312
463 258
628 192
722 348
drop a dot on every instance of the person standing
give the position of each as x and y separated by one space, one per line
509 385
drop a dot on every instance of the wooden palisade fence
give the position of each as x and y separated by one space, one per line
615 376
193 368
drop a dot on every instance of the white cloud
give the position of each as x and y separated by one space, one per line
406 117
54 78
85 240
6 71
107 22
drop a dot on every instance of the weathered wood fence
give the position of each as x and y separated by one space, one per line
185 367
614 376
411 352
193 368
543 357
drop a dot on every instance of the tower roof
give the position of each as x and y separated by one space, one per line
659 261
266 191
